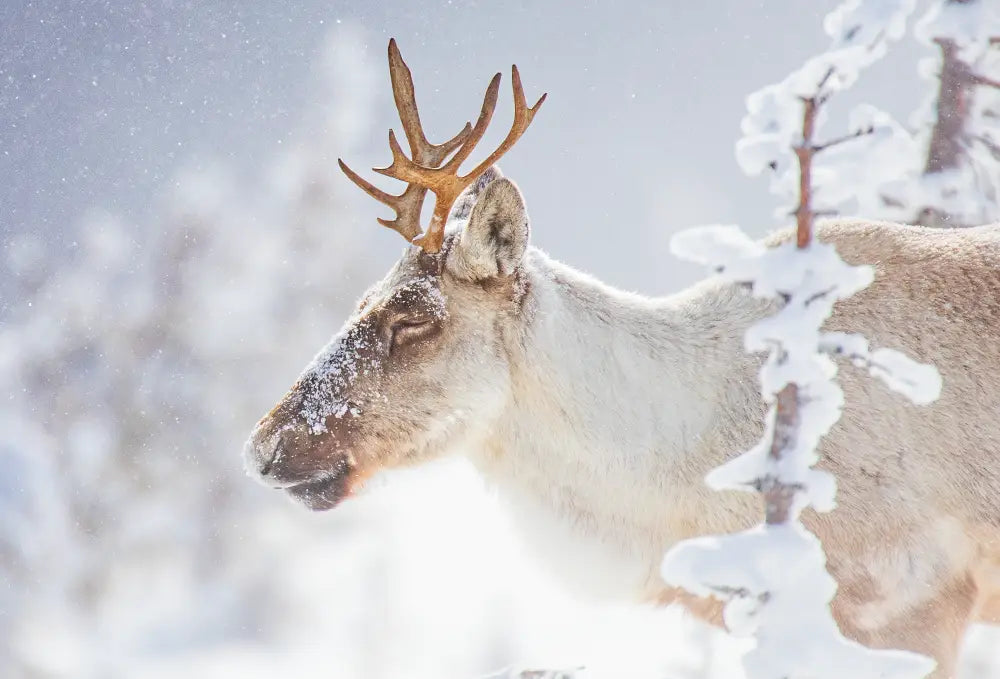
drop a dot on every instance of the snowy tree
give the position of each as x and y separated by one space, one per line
134 371
773 577
944 168
960 181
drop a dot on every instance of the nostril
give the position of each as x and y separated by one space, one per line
266 467
259 457
270 454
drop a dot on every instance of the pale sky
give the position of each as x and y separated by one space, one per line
100 105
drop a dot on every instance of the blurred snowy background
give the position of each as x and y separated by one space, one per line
177 242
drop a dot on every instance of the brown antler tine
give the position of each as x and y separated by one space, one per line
405 98
407 203
423 170
445 182
446 186
366 186
522 118
422 151
401 167
399 160
411 171
442 151
483 122
407 221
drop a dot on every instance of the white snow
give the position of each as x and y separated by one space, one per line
773 577
881 171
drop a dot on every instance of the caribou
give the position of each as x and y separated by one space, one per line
598 412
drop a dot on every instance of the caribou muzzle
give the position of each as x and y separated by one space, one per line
297 462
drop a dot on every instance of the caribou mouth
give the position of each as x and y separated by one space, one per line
321 494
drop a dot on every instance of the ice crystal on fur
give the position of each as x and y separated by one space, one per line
335 367
340 362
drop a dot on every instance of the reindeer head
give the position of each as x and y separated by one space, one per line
423 361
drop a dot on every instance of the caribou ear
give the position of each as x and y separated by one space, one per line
467 199
492 244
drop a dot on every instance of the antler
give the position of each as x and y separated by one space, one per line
424 171
407 205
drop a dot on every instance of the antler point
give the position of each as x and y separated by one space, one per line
423 171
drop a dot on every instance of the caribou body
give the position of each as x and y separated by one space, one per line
599 412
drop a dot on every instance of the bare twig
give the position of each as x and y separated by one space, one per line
846 138
535 674
980 79
822 83
546 674
778 495
868 363
990 145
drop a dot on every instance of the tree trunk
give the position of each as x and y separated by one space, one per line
957 82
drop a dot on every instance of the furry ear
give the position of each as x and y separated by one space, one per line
493 242
467 200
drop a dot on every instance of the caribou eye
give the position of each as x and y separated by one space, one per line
410 329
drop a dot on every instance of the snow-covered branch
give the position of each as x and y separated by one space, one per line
773 577
941 167
963 31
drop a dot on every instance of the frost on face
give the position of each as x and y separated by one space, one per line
348 372
330 375
426 293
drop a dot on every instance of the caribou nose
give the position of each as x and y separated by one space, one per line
259 455
265 467
269 457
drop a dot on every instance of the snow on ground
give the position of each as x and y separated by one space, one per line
421 577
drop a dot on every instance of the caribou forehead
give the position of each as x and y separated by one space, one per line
346 372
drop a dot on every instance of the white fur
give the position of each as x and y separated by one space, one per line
613 397
620 404
600 412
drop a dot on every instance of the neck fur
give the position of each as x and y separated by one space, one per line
615 399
